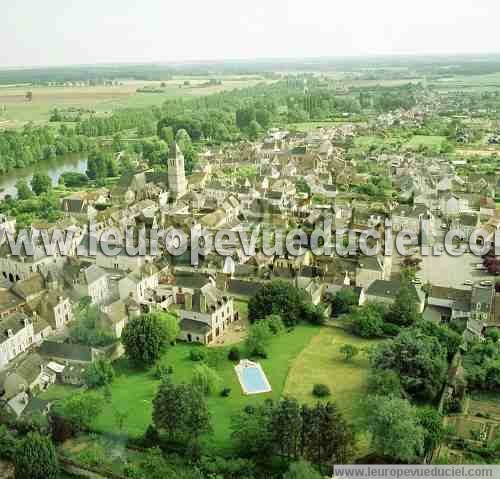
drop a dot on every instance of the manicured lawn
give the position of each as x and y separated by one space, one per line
133 391
322 363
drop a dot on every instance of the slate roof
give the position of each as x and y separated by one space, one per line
191 326
71 352
388 289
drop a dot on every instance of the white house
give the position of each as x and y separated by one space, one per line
138 282
16 336
205 314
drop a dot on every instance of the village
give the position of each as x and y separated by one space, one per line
111 354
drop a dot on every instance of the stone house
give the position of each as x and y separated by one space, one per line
205 315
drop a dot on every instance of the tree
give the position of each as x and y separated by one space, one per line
145 338
349 351
278 297
7 443
327 439
343 301
99 373
79 409
302 470
41 183
87 328
314 313
418 359
36 458
367 321
384 383
173 327
251 432
254 130
23 190
403 311
432 424
180 411
167 135
206 379
258 338
286 427
394 427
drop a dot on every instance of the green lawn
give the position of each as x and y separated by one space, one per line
424 140
58 391
322 363
133 391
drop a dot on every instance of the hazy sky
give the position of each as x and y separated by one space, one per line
54 32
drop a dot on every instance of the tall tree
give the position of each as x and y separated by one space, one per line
41 183
418 359
394 427
146 338
23 190
180 411
280 298
403 311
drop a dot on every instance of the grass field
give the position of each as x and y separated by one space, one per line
133 391
322 363
423 140
15 110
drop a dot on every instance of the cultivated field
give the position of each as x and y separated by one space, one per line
15 110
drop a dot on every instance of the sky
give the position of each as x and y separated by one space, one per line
63 32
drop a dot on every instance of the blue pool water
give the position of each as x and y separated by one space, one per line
254 380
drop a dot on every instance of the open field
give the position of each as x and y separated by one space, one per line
322 363
481 82
15 110
425 141
133 391
372 141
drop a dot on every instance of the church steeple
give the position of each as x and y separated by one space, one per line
176 175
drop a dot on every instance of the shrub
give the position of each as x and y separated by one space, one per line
197 355
234 354
100 373
390 329
162 370
321 390
225 392
205 379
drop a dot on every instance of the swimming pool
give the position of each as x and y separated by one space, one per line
252 378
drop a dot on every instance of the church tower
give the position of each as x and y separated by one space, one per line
177 183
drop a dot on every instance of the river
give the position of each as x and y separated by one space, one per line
54 168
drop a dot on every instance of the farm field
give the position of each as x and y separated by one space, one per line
132 391
15 110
